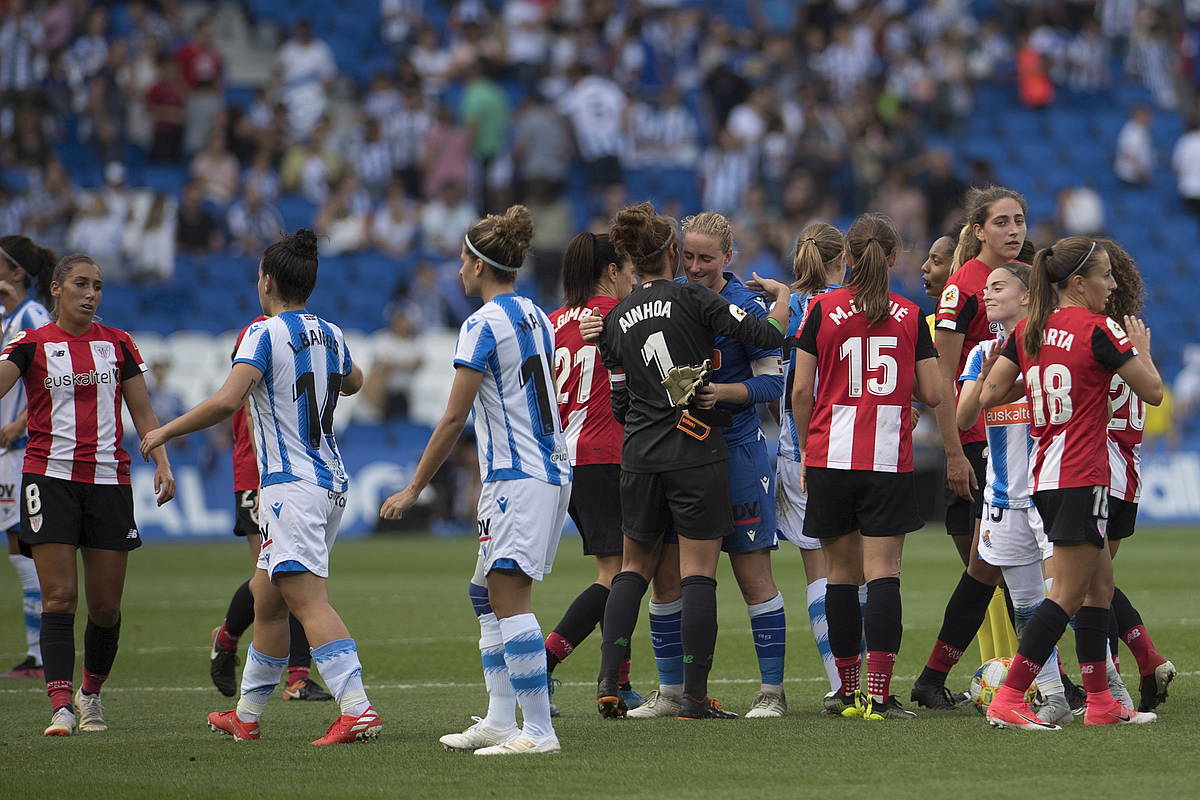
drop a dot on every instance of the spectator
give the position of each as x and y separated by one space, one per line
1088 57
86 56
253 222
432 62
595 107
150 237
200 62
485 112
21 40
305 69
725 172
943 193
263 175
398 356
406 131
12 209
216 169
394 223
204 114
1186 163
1033 80
1152 58
398 18
526 38
196 231
345 217
383 99
541 143
555 227
1080 211
310 166
99 223
49 206
167 403
165 104
446 154
445 219
1134 163
373 158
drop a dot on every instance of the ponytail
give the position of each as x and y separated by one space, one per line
1053 266
587 256
872 242
818 246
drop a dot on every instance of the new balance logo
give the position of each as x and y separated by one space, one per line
133 534
59 353
766 483
277 507
503 503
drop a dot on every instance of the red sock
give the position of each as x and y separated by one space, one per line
559 646
623 672
849 669
92 682
943 657
297 674
1022 674
59 693
879 673
225 641
1095 681
1141 645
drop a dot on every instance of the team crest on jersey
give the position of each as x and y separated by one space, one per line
35 523
1117 330
950 297
985 537
104 350
503 503
738 313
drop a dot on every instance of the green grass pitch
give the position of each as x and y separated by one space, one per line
404 601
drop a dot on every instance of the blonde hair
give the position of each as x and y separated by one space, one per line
710 223
818 246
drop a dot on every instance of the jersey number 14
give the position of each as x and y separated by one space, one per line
318 424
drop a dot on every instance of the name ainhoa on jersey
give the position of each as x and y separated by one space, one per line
650 310
89 378
841 313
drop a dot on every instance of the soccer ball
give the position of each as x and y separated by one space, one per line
990 677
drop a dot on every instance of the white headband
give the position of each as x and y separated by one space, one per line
485 259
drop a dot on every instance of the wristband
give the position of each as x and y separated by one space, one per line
778 325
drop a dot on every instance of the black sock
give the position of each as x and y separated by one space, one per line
1114 633
1091 634
100 647
1043 631
1008 605
240 614
1127 616
58 646
299 655
699 632
620 618
581 618
965 612
883 623
844 616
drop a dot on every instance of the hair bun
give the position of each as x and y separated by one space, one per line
515 227
302 243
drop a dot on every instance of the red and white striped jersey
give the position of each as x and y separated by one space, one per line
1068 388
1125 431
74 388
581 382
961 310
860 417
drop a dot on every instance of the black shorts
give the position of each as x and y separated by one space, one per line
245 518
841 501
1077 514
98 515
960 514
694 500
1122 518
596 508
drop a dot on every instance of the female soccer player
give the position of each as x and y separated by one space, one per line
292 367
25 271
819 267
594 281
1067 351
1125 431
746 376
936 269
673 469
75 494
503 370
854 429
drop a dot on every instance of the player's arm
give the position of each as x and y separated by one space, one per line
15 429
141 411
928 386
445 434
352 383
802 404
959 475
1000 383
1139 372
228 399
725 318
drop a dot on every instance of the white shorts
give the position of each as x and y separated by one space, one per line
520 521
11 464
1012 537
790 504
299 522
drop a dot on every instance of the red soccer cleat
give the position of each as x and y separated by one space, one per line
228 722
347 729
1002 713
29 668
1116 714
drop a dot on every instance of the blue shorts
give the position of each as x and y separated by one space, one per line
752 496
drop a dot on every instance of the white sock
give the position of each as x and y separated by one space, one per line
259 678
820 630
338 663
31 604
1027 589
525 655
502 701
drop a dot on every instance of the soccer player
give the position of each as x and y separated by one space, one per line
873 353
224 639
292 367
25 271
503 371
1067 351
1125 431
935 271
672 461
594 281
75 492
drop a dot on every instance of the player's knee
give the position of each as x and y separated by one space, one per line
983 572
104 615
59 599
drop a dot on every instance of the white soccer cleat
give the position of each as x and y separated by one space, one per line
657 705
522 746
768 704
477 736
1055 709
1117 686
91 712
62 723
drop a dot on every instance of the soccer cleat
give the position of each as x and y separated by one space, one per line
347 729
656 704
1117 686
91 712
1153 687
29 668
228 722
768 704
62 723
1076 697
1055 709
630 697
842 705
608 699
1116 714
933 695
222 664
553 683
477 736
887 709
306 689
522 746
692 709
1018 716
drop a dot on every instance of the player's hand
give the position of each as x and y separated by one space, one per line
395 506
1138 333
164 483
767 286
591 326
803 474
705 397
11 432
989 362
153 439
915 415
682 382
960 477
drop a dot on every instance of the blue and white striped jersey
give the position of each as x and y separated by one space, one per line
28 315
789 442
517 428
1008 439
303 359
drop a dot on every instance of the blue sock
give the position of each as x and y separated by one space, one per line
769 628
525 657
666 637
31 603
338 663
820 630
259 678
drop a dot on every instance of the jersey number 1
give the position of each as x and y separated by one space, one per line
535 369
306 392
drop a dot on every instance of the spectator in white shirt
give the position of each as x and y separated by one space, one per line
1135 151
150 237
305 68
253 223
398 355
394 223
445 219
1080 211
596 107
725 172
1186 163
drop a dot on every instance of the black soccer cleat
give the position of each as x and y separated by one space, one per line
1076 697
708 708
1153 687
934 696
222 665
306 689
608 699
